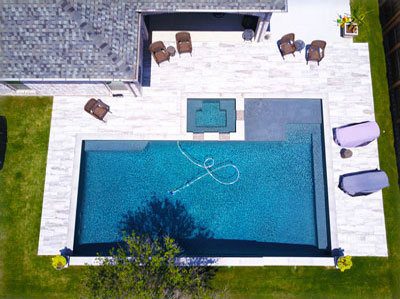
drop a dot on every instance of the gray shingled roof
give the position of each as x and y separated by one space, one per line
86 39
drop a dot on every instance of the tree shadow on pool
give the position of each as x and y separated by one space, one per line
155 219
158 218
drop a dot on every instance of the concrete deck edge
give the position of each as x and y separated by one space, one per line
231 261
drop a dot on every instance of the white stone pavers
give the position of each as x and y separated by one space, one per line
240 70
311 19
231 261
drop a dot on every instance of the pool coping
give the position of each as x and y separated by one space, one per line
226 261
219 261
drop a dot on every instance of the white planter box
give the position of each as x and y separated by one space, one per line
349 30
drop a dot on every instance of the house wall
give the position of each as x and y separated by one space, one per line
69 88
142 41
52 89
204 26
72 89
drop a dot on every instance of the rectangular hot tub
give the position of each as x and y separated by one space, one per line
211 115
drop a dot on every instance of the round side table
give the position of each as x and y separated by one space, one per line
171 50
248 35
299 44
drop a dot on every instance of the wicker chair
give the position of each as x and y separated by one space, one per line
315 51
159 52
183 42
97 108
286 45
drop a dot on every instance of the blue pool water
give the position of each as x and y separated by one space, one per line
210 115
271 210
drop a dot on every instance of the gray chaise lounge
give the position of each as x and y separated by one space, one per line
364 182
355 135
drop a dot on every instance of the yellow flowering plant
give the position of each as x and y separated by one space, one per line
344 263
343 20
58 262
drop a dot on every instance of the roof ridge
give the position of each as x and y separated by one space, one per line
98 40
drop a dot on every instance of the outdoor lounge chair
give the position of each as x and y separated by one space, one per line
315 51
286 45
159 52
183 42
355 135
364 182
97 108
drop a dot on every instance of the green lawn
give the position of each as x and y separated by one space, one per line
372 35
24 274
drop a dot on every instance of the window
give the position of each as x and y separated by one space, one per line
17 85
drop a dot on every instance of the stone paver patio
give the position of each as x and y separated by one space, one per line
240 70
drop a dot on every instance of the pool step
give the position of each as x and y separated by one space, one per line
114 145
303 133
320 192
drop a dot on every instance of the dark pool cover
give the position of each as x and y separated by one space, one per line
3 140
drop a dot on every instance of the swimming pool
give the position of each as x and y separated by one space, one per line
277 207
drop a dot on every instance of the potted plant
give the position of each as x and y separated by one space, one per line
344 263
348 25
59 262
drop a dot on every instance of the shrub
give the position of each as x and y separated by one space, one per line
58 262
344 263
145 268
